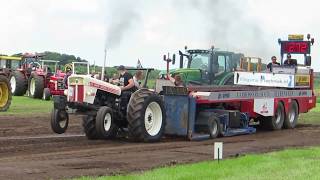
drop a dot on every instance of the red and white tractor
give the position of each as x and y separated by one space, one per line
58 82
108 110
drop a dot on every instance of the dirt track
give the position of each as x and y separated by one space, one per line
29 149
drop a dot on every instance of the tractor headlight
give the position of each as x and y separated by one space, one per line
75 81
90 93
65 92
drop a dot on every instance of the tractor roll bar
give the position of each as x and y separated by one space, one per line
86 63
147 75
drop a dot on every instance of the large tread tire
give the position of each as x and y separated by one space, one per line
5 93
36 86
46 94
20 83
291 119
136 116
59 121
105 124
89 127
275 122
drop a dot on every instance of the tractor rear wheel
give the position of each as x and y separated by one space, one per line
36 85
18 83
59 121
105 123
5 93
146 116
89 127
274 122
291 119
46 94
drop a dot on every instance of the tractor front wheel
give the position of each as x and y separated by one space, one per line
59 121
146 116
105 123
46 94
36 85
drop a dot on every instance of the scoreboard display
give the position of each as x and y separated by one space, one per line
295 47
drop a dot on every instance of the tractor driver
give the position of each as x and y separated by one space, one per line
65 79
125 80
127 86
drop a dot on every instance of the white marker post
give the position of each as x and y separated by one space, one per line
218 150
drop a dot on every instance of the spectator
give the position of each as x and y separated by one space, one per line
177 80
137 78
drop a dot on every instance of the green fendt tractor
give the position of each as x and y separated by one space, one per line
207 67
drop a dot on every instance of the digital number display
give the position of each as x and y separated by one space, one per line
295 47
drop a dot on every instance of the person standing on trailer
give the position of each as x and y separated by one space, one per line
289 61
272 63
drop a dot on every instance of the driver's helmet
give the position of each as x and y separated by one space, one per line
68 69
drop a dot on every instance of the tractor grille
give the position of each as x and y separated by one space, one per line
60 85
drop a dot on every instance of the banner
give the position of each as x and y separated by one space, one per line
302 80
264 79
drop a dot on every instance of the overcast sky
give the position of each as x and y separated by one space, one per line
133 29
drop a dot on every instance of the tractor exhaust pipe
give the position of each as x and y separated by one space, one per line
104 64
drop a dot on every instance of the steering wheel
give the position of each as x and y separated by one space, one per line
34 64
204 67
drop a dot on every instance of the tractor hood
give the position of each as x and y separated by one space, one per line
92 84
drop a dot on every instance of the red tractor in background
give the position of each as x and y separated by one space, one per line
39 81
55 85
33 75
20 76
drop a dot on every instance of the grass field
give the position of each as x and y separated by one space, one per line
312 116
22 105
287 164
